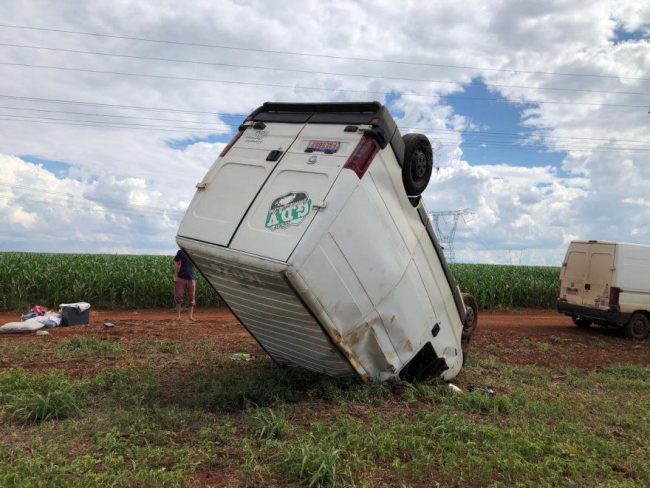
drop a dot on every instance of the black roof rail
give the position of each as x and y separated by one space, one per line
384 128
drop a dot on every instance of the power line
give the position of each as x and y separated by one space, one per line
316 55
88 123
112 105
88 206
214 125
125 124
301 87
242 114
468 144
108 203
304 71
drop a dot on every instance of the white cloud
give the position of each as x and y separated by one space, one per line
132 181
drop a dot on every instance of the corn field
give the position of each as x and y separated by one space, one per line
121 281
104 281
500 286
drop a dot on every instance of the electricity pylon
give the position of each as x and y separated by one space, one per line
445 224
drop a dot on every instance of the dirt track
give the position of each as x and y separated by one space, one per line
542 338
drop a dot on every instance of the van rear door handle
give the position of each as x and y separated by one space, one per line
274 155
587 286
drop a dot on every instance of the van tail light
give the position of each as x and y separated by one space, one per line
614 295
360 159
232 142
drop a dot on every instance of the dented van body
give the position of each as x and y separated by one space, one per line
607 283
303 228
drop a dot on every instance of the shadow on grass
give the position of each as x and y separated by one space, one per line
230 387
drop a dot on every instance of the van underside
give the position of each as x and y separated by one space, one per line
260 295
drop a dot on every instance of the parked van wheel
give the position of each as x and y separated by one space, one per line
418 163
582 322
638 327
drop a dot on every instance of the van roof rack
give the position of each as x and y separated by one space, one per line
350 113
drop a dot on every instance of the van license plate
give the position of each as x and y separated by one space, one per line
327 147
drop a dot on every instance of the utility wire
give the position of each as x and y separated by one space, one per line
318 55
314 88
478 137
89 200
94 114
125 124
100 125
446 142
242 114
329 73
112 105
87 205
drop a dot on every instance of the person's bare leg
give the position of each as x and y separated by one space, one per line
192 313
178 312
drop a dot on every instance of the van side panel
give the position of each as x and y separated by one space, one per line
633 277
366 235
387 177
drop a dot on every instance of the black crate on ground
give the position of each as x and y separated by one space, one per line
72 316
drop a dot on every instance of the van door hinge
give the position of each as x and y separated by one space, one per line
322 204
201 185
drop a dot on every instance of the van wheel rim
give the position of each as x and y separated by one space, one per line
420 166
639 328
469 318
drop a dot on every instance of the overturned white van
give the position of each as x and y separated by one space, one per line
310 228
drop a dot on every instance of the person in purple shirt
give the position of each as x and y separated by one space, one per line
185 282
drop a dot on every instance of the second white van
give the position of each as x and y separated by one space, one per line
607 283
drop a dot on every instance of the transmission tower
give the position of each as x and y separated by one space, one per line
445 224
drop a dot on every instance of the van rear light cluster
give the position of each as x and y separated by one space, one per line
614 295
360 159
232 142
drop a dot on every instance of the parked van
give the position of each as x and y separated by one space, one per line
311 229
607 283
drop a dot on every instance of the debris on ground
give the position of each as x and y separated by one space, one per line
241 356
454 388
109 325
75 313
487 391
39 317
18 327
42 332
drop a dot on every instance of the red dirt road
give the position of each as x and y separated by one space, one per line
543 338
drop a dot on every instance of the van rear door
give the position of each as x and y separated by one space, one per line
231 185
287 204
599 275
574 271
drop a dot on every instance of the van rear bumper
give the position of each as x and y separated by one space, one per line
613 317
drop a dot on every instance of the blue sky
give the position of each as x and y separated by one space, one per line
501 118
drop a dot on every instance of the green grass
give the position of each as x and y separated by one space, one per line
91 346
40 397
254 424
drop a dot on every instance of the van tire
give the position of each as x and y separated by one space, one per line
638 327
471 320
582 322
418 163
